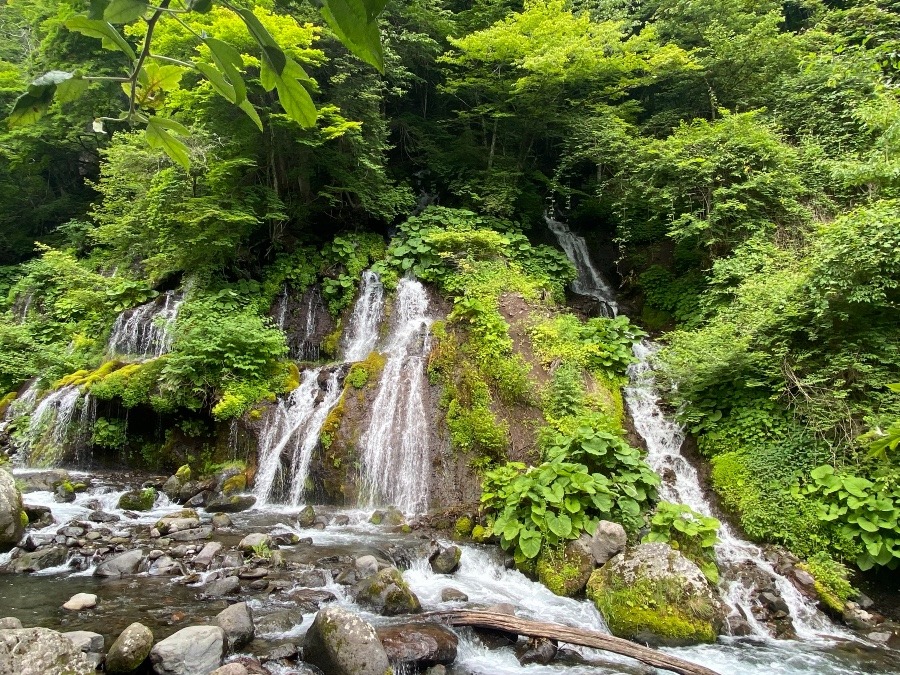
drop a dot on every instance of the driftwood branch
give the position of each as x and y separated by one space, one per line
575 636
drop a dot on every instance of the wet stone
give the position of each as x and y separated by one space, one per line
220 587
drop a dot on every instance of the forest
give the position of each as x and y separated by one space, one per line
734 167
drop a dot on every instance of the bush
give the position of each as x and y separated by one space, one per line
685 530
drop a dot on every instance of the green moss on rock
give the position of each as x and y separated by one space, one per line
463 527
565 571
138 500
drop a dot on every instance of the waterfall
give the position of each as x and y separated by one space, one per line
146 330
664 438
395 450
53 419
293 428
299 323
589 282
361 335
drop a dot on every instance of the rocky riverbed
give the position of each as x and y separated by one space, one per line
179 588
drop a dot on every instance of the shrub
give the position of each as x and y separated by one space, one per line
692 533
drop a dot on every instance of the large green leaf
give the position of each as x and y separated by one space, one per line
294 97
125 11
109 36
227 91
350 21
530 543
229 61
159 135
31 106
560 525
257 30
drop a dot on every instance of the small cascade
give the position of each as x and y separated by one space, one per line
23 404
291 433
21 306
52 422
300 322
589 282
664 438
361 335
395 449
146 331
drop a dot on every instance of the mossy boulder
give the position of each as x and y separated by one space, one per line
184 473
463 527
138 500
387 593
234 484
654 595
566 570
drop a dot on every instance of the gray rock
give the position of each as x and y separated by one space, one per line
220 520
309 600
168 525
165 566
80 601
40 651
453 595
120 565
310 578
98 516
44 481
231 669
445 560
172 488
190 651
341 643
366 566
608 540
255 540
236 622
10 623
86 641
130 649
195 534
232 504
387 593
39 560
208 552
278 622
422 644
538 650
220 587
11 526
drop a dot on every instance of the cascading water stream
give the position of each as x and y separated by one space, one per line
146 331
362 328
664 439
294 427
395 449
300 339
52 421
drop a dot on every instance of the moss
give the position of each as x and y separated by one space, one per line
463 527
331 343
138 500
830 581
5 401
654 613
564 574
184 473
237 483
480 534
291 378
377 517
332 423
358 375
23 518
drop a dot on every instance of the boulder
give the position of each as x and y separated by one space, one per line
205 558
608 540
254 541
220 520
387 593
232 504
172 524
10 622
38 514
231 669
566 571
44 481
190 651
236 622
194 534
654 595
120 565
172 488
39 560
86 641
12 518
341 643
538 650
64 493
40 651
445 560
98 516
307 517
366 566
309 600
418 644
138 500
219 587
130 649
280 621
80 601
453 595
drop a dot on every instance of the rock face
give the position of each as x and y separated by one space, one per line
566 571
654 595
387 593
341 643
39 651
190 651
12 525
237 623
120 565
423 644
608 540
130 649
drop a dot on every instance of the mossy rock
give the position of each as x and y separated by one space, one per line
463 527
654 595
184 473
387 593
234 484
480 534
138 500
565 571
377 517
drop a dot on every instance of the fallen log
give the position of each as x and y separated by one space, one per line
575 636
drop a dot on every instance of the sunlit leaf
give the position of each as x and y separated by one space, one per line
159 136
109 36
125 11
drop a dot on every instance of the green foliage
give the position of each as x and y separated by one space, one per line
685 530
600 345
358 376
866 511
109 433
831 582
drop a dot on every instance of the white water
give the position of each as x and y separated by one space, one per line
664 439
395 451
146 331
293 427
23 404
361 335
300 343
52 421
589 282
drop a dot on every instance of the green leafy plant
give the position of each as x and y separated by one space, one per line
830 580
109 433
692 533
